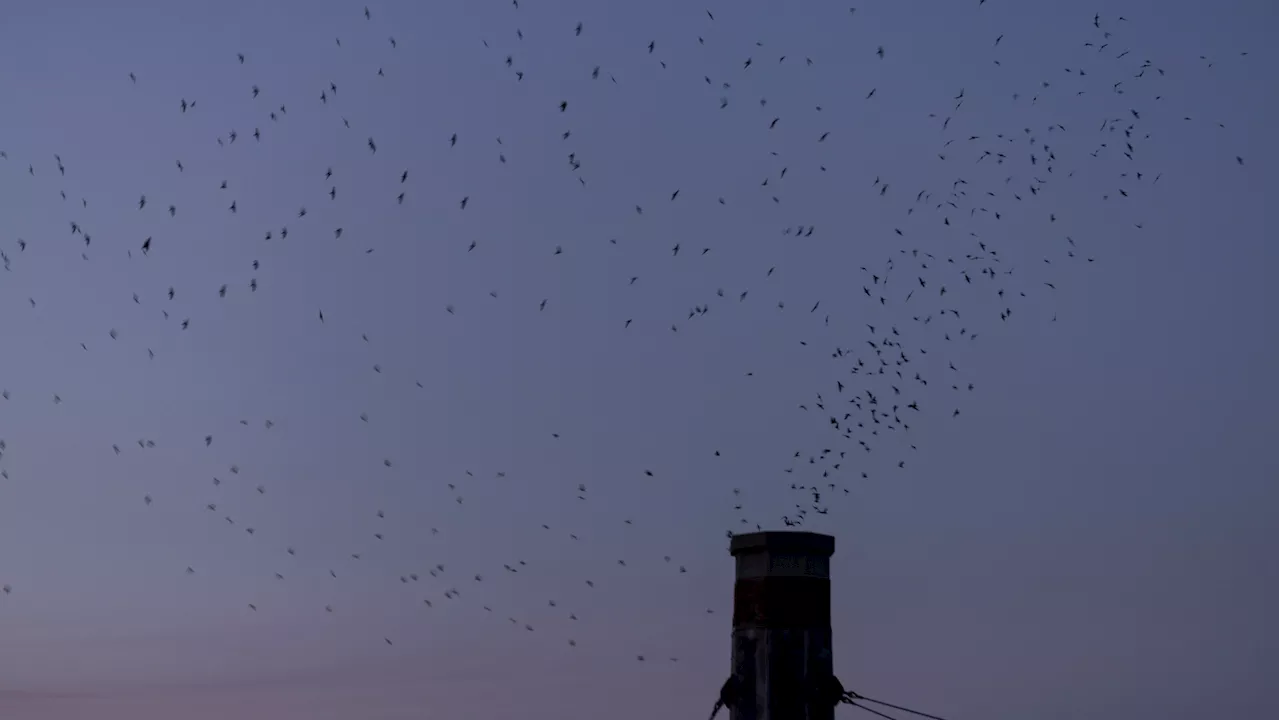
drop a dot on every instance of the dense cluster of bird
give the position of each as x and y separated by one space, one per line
892 338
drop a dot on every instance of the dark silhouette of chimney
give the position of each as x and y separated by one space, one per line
782 628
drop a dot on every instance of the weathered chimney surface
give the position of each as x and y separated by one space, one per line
781 626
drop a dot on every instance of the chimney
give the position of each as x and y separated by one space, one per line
782 667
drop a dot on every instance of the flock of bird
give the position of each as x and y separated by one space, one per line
891 340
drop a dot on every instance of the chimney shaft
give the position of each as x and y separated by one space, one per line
781 626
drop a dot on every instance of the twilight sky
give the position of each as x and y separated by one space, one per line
1090 536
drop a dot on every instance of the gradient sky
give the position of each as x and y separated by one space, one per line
1090 538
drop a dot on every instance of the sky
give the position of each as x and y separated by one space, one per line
1089 536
